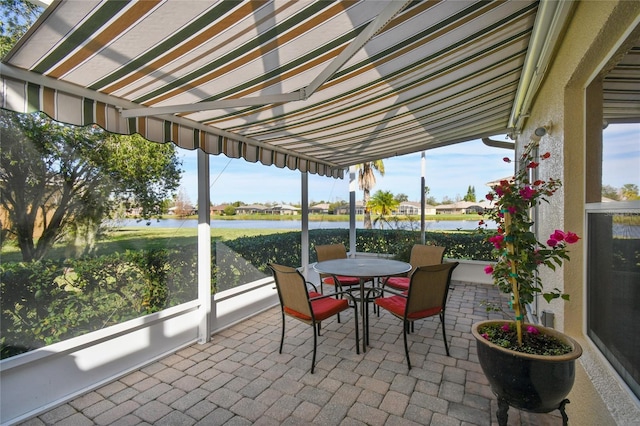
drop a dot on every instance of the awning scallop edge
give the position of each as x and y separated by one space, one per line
71 106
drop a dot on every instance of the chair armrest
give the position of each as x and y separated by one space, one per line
388 290
312 285
337 293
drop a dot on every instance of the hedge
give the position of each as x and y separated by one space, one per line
52 300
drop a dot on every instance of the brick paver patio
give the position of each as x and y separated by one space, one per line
239 378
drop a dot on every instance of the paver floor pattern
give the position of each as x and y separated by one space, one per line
239 378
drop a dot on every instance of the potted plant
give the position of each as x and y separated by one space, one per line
528 366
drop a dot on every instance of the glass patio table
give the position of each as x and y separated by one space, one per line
364 269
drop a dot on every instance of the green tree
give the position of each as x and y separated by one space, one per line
229 210
17 17
334 206
611 192
62 179
366 182
383 204
471 194
630 192
401 198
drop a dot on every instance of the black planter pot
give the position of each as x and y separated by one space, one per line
534 383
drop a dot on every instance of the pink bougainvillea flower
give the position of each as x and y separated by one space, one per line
506 159
497 240
532 165
489 197
485 336
512 210
488 269
532 330
527 192
545 155
571 238
552 243
505 327
481 223
558 235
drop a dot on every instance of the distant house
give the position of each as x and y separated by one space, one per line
462 207
283 209
345 209
218 210
251 209
186 210
322 208
413 208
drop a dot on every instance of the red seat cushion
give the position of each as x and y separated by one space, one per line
343 280
397 306
322 308
400 283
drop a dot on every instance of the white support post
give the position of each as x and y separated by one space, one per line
423 201
204 249
353 184
304 235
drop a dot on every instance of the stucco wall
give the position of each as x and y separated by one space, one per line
593 37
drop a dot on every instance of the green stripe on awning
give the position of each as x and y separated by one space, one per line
33 97
87 113
81 35
273 33
169 44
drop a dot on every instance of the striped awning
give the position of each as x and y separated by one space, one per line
621 90
310 85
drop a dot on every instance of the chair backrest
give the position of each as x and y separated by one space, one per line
331 251
429 288
292 289
425 255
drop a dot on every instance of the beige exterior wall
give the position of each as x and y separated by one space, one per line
596 34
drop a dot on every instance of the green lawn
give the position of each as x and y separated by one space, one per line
142 238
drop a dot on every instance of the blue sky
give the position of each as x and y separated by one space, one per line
450 171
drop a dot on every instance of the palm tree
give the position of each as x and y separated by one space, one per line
366 182
383 203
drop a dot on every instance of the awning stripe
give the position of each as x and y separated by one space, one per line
357 69
79 37
336 113
97 42
175 46
270 40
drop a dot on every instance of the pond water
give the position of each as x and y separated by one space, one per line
430 225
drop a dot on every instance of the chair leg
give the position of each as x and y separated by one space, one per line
282 337
319 328
338 288
406 346
315 345
355 319
444 335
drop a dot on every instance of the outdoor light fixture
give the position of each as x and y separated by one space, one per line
540 132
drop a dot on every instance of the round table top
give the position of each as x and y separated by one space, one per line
362 267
